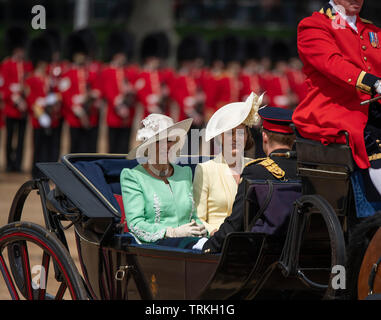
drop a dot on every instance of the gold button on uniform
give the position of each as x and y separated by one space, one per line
364 47
365 58
349 80
369 68
361 37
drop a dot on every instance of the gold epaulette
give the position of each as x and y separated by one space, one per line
328 12
376 156
255 161
270 165
366 21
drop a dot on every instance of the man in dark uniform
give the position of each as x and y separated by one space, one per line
278 139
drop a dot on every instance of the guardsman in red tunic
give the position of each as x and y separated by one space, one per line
341 53
152 83
119 92
15 69
57 67
80 95
211 78
43 105
276 85
249 77
184 89
229 84
251 82
296 78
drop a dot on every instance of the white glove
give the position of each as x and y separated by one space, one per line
44 120
200 244
191 229
50 99
377 86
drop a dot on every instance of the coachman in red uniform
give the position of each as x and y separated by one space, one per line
44 106
118 91
341 53
14 70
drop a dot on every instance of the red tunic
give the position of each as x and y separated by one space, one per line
113 85
38 88
339 64
277 90
249 83
74 85
298 85
14 74
183 91
149 90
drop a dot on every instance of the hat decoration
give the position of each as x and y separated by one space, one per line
153 123
232 115
253 118
157 126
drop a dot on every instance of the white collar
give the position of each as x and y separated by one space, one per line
351 20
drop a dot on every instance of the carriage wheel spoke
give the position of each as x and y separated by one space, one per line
26 270
8 279
44 276
61 291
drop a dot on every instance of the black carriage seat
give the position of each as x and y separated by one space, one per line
326 170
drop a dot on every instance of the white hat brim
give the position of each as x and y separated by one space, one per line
179 129
228 117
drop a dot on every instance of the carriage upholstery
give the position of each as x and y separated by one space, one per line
104 173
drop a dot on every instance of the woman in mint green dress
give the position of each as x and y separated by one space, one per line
157 194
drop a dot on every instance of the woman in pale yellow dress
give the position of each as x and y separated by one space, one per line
216 181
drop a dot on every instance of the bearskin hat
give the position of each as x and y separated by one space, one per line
216 51
119 42
279 51
234 49
40 49
76 44
54 37
191 47
15 37
90 38
155 45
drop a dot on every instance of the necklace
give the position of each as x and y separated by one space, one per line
159 173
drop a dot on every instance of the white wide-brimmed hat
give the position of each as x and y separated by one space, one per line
157 127
232 115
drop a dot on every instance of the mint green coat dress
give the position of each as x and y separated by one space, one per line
151 205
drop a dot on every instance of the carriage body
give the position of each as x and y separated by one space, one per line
115 266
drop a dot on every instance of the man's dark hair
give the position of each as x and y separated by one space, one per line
283 139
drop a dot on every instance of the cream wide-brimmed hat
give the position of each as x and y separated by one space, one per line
232 115
157 127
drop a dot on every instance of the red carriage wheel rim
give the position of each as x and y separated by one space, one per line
49 250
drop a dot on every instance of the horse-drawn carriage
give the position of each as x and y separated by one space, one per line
83 192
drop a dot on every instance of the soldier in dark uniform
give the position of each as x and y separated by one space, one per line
278 139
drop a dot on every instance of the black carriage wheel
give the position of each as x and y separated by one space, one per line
16 271
318 205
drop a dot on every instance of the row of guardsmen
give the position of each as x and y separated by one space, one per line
37 84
